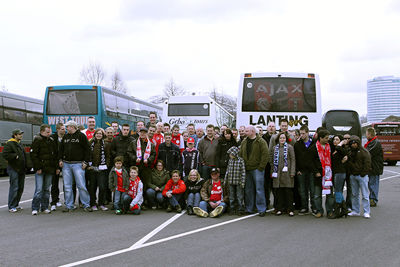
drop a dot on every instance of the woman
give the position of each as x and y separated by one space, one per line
156 184
339 157
192 193
283 170
98 173
225 142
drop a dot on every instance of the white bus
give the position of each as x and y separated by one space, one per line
199 110
265 97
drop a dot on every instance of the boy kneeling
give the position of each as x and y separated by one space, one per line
134 197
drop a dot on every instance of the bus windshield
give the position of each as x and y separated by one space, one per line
279 95
387 129
191 109
72 102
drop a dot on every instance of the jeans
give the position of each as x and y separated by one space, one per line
359 183
153 196
373 185
42 191
174 200
339 180
284 199
55 190
118 199
305 182
254 191
71 172
329 200
206 207
97 179
205 172
193 199
17 182
236 196
126 201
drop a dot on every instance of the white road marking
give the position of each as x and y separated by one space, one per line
24 201
26 177
392 171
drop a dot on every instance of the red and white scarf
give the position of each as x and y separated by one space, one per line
133 191
146 152
325 158
369 141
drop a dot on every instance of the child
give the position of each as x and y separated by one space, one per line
174 190
193 187
190 157
134 197
236 176
118 182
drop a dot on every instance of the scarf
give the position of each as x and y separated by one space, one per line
102 153
325 158
133 187
276 159
369 141
139 150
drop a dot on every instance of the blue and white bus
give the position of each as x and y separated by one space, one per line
79 102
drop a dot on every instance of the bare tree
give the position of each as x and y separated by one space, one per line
93 74
117 84
226 101
170 89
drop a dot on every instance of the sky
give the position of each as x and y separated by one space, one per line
200 44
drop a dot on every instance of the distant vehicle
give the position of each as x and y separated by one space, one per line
79 102
199 110
19 112
265 97
388 133
342 122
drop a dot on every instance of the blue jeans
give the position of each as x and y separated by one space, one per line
193 199
339 180
42 191
17 182
329 200
126 201
305 182
359 183
153 196
254 191
71 172
174 200
236 196
373 185
118 199
206 207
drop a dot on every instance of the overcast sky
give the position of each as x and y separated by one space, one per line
201 44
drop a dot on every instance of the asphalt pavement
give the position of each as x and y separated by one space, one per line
160 238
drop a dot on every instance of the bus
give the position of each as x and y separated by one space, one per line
199 110
273 96
19 112
388 134
341 121
79 102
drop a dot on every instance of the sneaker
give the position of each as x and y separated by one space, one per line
103 208
178 208
47 211
88 209
153 207
367 215
19 208
217 211
13 210
261 214
53 207
94 208
34 212
303 212
354 214
278 213
318 215
118 212
291 213
200 212
58 204
169 208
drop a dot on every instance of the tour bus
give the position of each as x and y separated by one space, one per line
266 97
79 102
19 112
199 110
342 122
388 134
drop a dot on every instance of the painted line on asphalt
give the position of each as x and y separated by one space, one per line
24 201
132 248
8 179
392 171
390 177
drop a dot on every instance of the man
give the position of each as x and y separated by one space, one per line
208 149
346 146
73 159
152 118
374 148
177 138
44 158
167 128
359 163
223 128
89 132
55 190
283 127
271 130
260 130
169 153
235 134
14 153
120 145
139 125
115 126
242 134
305 177
158 136
199 136
191 130
150 135
254 151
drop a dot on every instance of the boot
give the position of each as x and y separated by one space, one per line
344 211
338 210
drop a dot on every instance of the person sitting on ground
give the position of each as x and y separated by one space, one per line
193 187
133 198
118 182
158 180
236 176
215 195
174 190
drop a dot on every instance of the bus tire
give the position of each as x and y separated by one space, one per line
392 162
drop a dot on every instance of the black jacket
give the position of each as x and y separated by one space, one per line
337 156
44 154
119 147
359 161
14 153
222 156
193 187
375 150
170 155
74 148
304 156
133 157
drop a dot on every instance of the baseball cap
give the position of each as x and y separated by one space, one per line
190 140
17 131
214 170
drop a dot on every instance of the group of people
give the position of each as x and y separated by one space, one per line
206 172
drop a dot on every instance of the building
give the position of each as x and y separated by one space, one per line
383 98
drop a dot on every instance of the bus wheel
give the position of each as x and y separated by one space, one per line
392 162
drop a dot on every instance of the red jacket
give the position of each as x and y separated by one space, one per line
177 188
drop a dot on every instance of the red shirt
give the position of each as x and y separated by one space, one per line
216 191
178 140
120 181
176 188
89 134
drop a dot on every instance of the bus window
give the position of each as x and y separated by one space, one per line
192 109
14 115
72 102
34 118
123 105
34 107
110 102
13 103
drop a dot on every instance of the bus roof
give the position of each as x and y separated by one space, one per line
279 74
20 97
189 99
